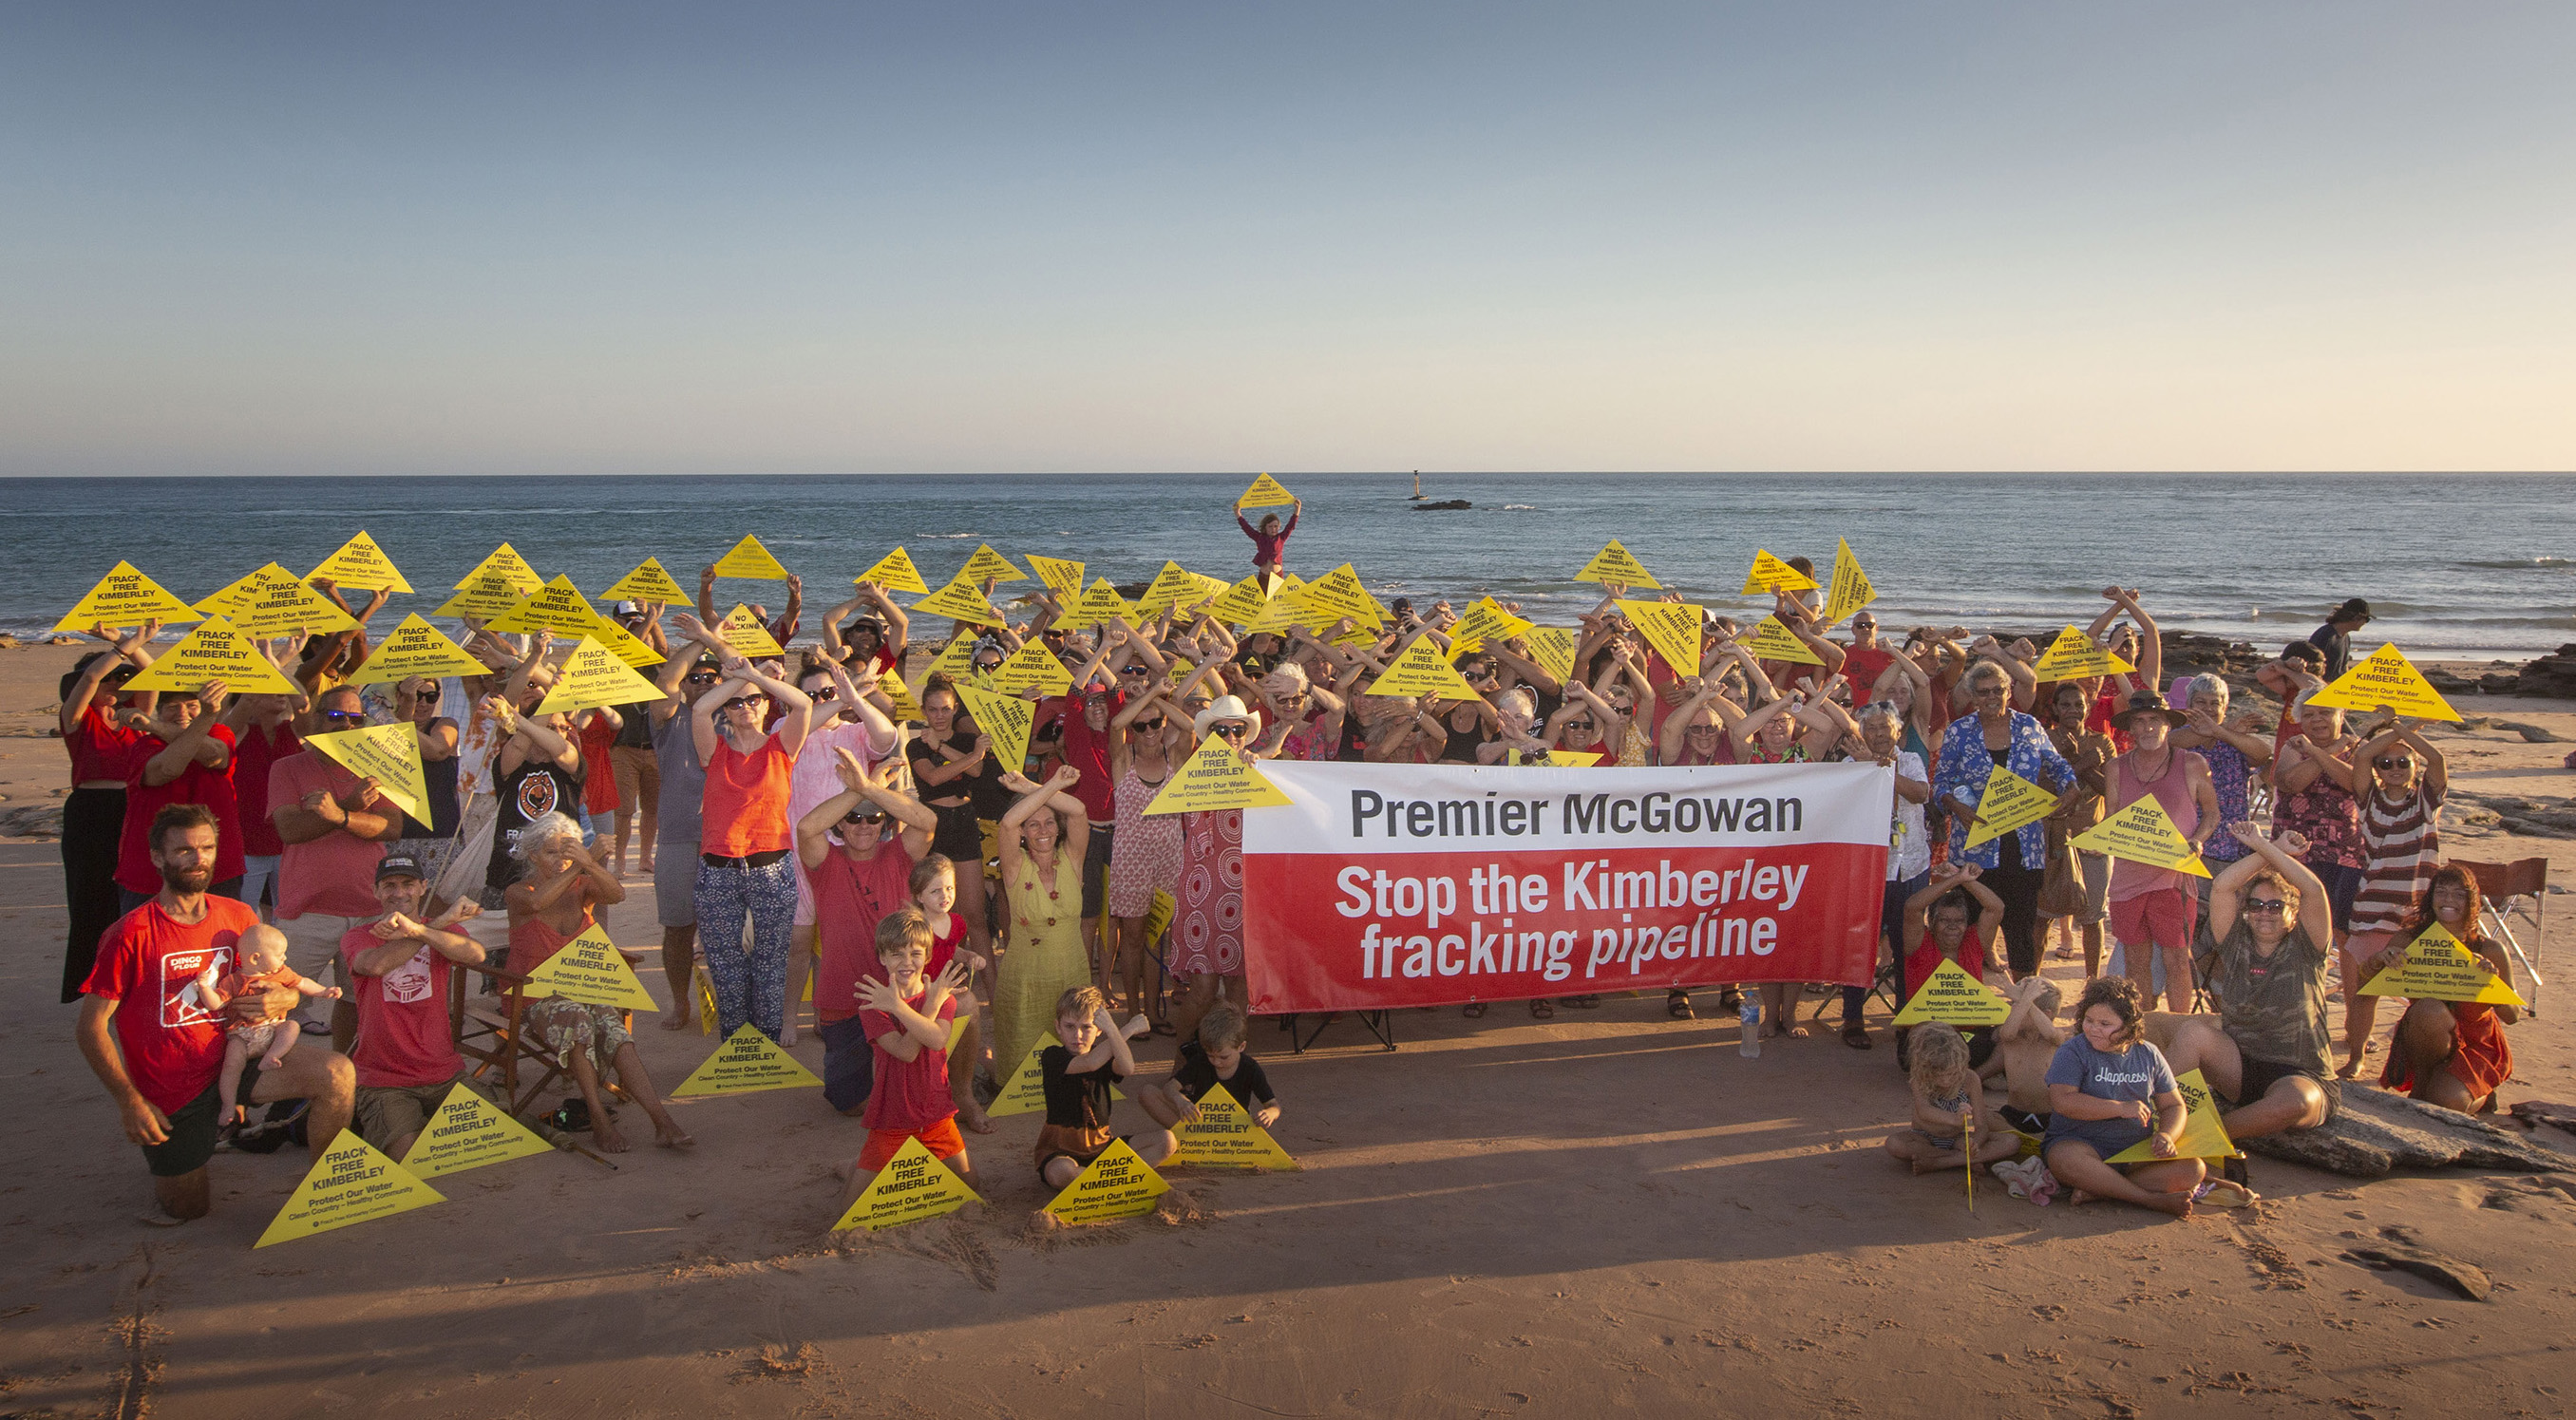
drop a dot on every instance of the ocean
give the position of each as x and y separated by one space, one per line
2252 557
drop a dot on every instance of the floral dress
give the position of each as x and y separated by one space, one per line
1144 853
1207 930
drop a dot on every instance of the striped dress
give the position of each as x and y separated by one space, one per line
2401 844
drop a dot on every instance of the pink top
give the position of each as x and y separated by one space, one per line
817 775
2133 879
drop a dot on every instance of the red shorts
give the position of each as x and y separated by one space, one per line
941 1139
2162 918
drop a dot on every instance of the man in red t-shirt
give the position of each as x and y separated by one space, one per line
185 758
399 968
1865 660
151 1041
848 846
334 827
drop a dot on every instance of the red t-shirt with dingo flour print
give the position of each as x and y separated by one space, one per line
403 1034
148 965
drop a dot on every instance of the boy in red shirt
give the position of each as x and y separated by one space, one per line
906 1017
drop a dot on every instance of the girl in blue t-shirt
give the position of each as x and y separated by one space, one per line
2108 1091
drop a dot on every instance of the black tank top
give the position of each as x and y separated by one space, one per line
1460 747
528 793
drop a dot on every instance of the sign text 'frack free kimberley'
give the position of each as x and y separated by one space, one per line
1416 885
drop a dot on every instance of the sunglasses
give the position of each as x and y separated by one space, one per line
345 717
745 702
702 678
821 693
1230 732
1154 724
1701 730
2392 761
864 816
1131 670
1578 724
1864 626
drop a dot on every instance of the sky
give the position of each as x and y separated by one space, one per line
762 238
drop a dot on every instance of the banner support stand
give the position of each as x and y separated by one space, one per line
1380 1024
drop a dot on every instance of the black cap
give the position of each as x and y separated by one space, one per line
2355 607
627 609
2303 651
400 865
2148 702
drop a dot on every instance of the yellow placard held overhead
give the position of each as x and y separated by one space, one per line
1772 640
1849 589
1553 648
1032 667
506 564
1337 594
590 969
742 630
2386 678
1671 628
122 598
1612 566
901 705
558 606
2075 654
1265 492
629 648
2142 833
485 598
1224 1137
1770 574
649 582
1116 1185
468 1132
1422 670
750 559
1171 587
275 602
1951 995
955 663
1285 611
360 563
2204 1134
2008 802
1485 621
895 573
912 1187
593 675
212 652
351 1183
1242 602
388 754
747 1062
986 563
2440 967
416 648
1005 721
1215 778
1099 603
1063 578
961 600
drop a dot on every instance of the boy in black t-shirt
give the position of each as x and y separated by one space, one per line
1217 1057
1077 1078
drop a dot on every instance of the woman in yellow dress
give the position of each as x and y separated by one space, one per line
1044 887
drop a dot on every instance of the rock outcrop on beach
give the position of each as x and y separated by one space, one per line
2375 1131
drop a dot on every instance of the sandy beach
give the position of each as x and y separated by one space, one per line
1610 1212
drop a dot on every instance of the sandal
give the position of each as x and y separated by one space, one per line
1857 1037
1542 1010
1584 1003
1474 1011
1163 1028
1677 1005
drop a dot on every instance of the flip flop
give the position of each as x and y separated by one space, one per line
1677 1004
1474 1011
1541 1010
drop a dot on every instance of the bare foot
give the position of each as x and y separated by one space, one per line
1796 1032
677 1020
603 1132
973 1114
2077 1198
668 1136
2351 1069
1935 1165
2178 1204
786 1036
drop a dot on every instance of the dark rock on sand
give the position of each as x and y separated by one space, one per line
2375 1131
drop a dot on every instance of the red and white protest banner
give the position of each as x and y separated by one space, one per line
1419 885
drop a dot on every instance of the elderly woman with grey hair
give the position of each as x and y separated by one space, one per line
2237 754
2012 864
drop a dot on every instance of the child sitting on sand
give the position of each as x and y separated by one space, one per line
259 965
1078 1074
1949 1107
1217 1057
906 1016
2024 1045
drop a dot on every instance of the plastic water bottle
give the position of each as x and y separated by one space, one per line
1750 1014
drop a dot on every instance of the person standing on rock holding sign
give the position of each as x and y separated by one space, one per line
1270 540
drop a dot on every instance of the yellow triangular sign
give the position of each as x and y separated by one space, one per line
1224 1137
649 582
2142 833
1286 608
742 629
748 1061
1215 778
2008 802
274 602
2204 1135
2440 967
961 600
912 1187
1770 574
988 563
703 988
2386 678
214 651
1337 594
895 573
1100 603
901 706
416 648
1484 621
955 664
1004 720
123 598
589 968
352 1182
1422 670
360 563
593 675
1063 579
1849 589
1171 587
1241 603
629 648
1265 492
1950 994
1116 1185
750 559
1556 758
506 564
2075 654
1672 628
1553 648
1026 1092
1032 667
485 597
558 606
1772 640
1613 566
1158 920
388 754
467 1132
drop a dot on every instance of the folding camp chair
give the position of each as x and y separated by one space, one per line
490 1031
2516 889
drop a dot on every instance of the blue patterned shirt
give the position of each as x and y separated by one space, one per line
1965 765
